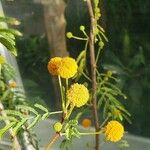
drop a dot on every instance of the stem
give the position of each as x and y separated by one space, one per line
90 133
52 141
98 54
79 38
86 45
56 112
66 85
93 71
85 33
61 92
57 134
86 133
104 122
69 112
86 76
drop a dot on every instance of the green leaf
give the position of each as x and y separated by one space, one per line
73 122
124 110
5 94
10 118
12 31
103 35
19 125
41 107
34 122
65 144
105 110
100 101
113 99
15 113
27 108
81 56
8 72
45 116
9 44
127 118
6 128
9 20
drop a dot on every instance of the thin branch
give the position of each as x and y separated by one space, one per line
52 141
93 70
55 136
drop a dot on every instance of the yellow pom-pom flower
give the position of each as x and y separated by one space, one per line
53 65
86 123
12 84
114 131
67 68
78 95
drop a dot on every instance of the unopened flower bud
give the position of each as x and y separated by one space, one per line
101 44
82 28
57 126
69 35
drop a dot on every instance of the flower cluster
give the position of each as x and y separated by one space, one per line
65 67
114 131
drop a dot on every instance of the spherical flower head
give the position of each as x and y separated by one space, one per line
12 84
57 126
78 95
86 123
53 65
101 44
114 131
67 68
109 73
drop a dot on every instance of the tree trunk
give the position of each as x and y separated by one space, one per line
55 26
55 30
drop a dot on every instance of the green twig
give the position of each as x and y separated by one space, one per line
61 91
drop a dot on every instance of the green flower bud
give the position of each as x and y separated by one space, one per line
82 28
69 35
106 78
57 126
125 97
109 73
101 44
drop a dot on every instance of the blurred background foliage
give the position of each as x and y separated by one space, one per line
127 54
33 55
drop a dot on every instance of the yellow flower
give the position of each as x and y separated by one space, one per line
53 65
12 84
114 131
78 95
67 68
86 123
2 59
